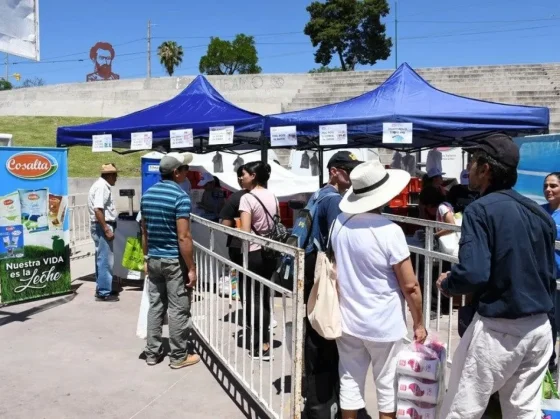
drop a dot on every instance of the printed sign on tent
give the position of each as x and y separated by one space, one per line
333 134
141 141
181 138
397 132
221 135
283 136
100 143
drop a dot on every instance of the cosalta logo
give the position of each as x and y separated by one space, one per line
32 165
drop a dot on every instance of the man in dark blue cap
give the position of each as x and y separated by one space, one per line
506 262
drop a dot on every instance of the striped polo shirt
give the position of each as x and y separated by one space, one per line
161 206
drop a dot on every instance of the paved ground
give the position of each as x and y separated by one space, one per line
71 357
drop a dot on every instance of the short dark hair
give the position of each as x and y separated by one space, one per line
240 170
168 176
502 176
261 170
432 196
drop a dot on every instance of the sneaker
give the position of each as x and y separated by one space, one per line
257 353
154 361
191 359
107 298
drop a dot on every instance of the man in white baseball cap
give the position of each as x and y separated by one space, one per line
168 251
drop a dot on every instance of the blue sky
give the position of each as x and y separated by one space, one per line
431 33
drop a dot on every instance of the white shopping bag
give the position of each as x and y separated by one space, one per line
142 325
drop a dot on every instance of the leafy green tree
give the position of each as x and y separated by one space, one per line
170 55
230 57
5 85
350 29
325 69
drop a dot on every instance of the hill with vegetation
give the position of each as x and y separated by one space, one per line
40 131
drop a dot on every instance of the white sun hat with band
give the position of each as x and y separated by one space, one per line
373 186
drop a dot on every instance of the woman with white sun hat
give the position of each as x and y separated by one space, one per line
375 277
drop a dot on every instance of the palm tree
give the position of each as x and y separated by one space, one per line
170 55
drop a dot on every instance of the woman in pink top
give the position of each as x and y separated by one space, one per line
257 209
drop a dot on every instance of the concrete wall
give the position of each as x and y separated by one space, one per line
264 94
80 187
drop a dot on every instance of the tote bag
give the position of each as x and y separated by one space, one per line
323 307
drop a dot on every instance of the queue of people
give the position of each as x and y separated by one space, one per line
507 266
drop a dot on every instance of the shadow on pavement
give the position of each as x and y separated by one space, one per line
8 317
236 392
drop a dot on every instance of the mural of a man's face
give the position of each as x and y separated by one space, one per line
103 62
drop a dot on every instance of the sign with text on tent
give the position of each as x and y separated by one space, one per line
181 138
100 143
221 135
397 133
141 141
333 134
34 224
283 136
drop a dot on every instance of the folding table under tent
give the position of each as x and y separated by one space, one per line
198 107
439 118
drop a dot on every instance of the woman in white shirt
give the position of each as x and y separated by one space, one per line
374 280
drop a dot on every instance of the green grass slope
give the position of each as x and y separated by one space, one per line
40 131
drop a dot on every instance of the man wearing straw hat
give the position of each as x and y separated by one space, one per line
506 262
103 217
375 277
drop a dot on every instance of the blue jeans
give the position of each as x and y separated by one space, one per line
104 259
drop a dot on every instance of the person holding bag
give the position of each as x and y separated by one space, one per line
375 277
257 208
506 259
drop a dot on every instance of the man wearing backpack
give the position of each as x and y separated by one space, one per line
321 379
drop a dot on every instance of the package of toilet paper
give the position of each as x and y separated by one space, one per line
407 409
415 389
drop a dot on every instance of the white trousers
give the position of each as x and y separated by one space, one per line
499 355
355 356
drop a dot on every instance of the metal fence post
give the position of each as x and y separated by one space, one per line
428 271
298 327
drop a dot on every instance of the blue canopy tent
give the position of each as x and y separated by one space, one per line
438 118
198 107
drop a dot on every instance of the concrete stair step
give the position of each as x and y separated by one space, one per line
356 91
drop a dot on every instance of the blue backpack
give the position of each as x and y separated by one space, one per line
301 238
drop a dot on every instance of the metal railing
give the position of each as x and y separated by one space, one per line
79 224
429 264
231 335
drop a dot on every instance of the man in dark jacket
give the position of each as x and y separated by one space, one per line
506 262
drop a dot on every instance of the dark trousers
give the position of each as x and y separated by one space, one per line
321 381
252 294
554 324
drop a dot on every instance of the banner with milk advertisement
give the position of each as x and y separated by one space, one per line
34 228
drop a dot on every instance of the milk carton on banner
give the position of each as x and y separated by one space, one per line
34 209
10 209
